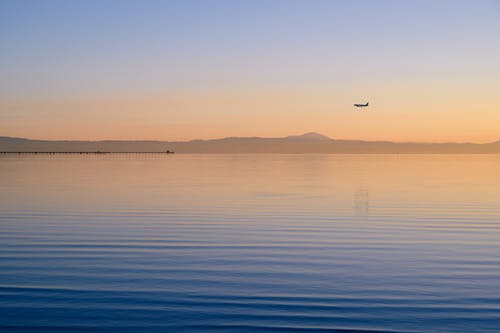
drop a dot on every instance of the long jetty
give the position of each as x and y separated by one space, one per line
85 152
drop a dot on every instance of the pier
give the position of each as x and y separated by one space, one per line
168 152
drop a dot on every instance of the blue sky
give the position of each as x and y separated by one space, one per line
80 49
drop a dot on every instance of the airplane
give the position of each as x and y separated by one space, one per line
361 105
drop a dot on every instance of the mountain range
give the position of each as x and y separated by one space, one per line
306 143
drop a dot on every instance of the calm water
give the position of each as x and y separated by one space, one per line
245 243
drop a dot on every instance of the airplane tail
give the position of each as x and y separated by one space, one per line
367 103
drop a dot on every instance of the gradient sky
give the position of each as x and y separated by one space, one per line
176 70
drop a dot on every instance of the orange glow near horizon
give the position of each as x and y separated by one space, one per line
461 113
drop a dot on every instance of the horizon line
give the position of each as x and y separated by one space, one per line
320 137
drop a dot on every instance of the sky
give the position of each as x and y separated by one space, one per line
181 70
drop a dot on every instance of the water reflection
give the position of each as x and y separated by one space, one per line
361 202
244 243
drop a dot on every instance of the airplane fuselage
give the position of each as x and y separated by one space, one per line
361 105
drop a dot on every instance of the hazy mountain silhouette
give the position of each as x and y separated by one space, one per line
306 143
309 136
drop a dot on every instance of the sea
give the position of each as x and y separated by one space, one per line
249 243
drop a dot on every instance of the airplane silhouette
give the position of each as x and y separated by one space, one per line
361 105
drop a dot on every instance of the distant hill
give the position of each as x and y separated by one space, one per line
306 143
